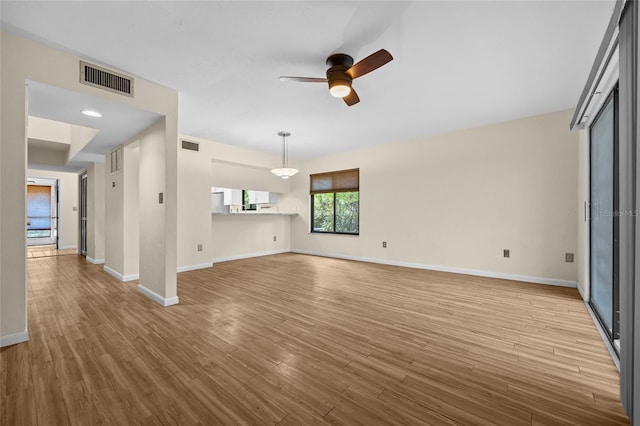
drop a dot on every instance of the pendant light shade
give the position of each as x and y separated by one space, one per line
285 172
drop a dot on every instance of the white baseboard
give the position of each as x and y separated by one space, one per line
119 276
582 293
603 335
68 248
157 298
194 267
13 339
475 272
94 261
248 255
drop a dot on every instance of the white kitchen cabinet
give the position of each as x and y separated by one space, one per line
232 197
262 197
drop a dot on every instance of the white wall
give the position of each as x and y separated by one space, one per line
68 219
455 201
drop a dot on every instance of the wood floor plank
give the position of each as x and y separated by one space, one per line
291 339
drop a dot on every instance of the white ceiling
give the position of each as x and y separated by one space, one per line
457 64
118 124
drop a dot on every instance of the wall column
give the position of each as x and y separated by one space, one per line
158 212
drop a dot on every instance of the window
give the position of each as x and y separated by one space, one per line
246 204
335 202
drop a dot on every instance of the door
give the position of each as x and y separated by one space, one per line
83 214
604 217
42 211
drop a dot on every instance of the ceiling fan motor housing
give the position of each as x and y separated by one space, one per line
337 74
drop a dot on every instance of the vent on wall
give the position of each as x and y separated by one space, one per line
103 78
191 146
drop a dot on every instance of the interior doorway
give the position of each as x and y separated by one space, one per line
83 214
42 212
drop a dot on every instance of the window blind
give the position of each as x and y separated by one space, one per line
340 181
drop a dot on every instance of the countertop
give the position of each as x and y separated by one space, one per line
252 213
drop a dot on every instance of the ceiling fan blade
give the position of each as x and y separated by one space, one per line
370 63
352 98
304 79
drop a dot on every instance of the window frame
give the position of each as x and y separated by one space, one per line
334 191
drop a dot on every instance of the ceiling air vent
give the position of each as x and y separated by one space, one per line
103 78
191 146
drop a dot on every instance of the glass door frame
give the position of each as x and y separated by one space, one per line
615 308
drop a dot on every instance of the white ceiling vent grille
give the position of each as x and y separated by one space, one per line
191 146
103 78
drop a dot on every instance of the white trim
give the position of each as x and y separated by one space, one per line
194 267
94 261
610 77
13 339
248 255
119 276
604 337
476 272
582 292
157 298
68 248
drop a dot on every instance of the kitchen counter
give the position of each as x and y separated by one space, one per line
252 213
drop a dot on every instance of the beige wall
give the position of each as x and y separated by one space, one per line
96 213
114 220
24 60
238 236
217 164
450 202
131 210
155 218
68 219
455 201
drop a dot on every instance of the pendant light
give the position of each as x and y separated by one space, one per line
285 172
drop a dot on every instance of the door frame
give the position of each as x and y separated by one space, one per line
55 208
82 187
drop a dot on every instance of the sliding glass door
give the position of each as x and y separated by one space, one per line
604 218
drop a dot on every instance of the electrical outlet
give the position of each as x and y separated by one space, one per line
568 257
199 247
274 238
160 198
506 253
384 244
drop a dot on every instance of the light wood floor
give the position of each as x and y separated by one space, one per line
47 251
300 340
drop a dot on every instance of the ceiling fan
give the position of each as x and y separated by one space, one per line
342 72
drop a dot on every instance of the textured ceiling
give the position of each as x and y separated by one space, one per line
457 64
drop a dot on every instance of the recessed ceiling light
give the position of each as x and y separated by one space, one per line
91 113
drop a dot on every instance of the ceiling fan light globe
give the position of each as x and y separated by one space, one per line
340 90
